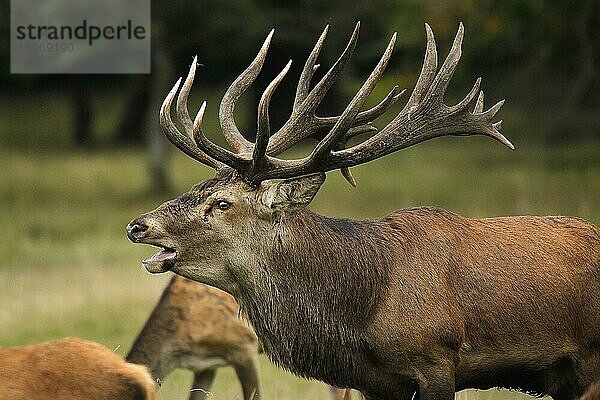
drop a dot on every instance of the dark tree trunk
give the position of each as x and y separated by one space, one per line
158 146
135 111
585 58
83 112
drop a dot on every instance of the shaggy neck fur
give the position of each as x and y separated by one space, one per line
316 289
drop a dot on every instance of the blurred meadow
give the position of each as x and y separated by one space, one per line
66 266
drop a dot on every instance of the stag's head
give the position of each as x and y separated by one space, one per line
217 224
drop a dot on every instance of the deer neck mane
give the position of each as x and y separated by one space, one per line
320 279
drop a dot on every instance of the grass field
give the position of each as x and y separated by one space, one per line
67 269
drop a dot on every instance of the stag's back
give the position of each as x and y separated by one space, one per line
494 267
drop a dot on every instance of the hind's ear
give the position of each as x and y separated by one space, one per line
293 194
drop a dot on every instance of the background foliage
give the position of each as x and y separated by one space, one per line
541 55
82 155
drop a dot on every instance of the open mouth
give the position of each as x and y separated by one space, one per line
162 261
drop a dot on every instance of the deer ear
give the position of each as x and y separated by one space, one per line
293 194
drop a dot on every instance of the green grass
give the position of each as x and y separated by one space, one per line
67 269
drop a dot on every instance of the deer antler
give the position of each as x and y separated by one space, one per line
425 116
185 142
303 122
232 95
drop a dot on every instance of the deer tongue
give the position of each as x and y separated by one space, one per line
164 254
160 262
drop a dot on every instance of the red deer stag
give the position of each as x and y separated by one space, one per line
71 369
197 327
420 301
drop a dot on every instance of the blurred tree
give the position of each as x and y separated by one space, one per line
4 40
130 129
158 150
82 110
227 34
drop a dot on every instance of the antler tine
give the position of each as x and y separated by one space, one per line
479 104
313 99
181 141
263 128
494 131
298 126
442 79
469 97
378 110
309 69
344 123
232 95
367 116
225 156
182 99
427 71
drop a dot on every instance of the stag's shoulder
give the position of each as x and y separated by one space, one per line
417 222
424 214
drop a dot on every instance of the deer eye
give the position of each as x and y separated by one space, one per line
223 205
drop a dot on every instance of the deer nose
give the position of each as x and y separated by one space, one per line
136 231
